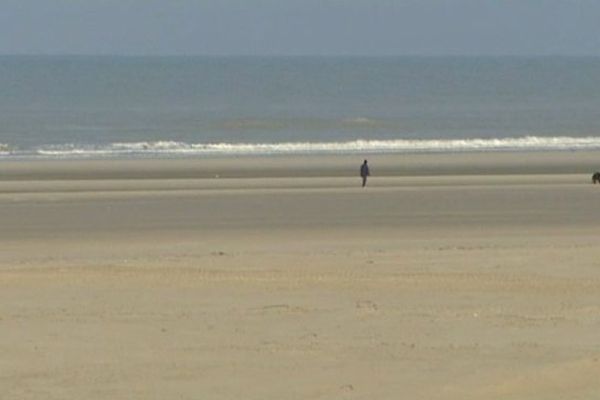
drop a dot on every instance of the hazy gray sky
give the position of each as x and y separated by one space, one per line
295 27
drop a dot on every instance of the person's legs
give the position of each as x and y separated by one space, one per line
364 180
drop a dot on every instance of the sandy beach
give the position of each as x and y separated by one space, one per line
462 276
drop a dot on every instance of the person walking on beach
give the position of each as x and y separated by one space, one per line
364 172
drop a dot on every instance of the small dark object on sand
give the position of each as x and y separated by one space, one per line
596 177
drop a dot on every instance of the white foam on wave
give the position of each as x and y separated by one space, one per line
529 143
360 121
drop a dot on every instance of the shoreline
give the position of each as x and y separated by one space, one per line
280 166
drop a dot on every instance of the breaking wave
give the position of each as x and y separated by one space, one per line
173 148
4 149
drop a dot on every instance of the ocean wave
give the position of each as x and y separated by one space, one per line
175 148
361 121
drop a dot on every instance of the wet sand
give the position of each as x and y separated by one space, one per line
449 277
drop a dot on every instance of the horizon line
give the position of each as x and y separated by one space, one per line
307 55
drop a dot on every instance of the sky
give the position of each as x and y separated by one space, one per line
300 27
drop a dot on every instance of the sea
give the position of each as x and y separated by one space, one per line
113 106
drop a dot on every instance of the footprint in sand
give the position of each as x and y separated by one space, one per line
346 388
279 309
366 307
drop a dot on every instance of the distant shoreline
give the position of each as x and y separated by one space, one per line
175 149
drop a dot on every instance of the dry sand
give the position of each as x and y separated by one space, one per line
473 276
